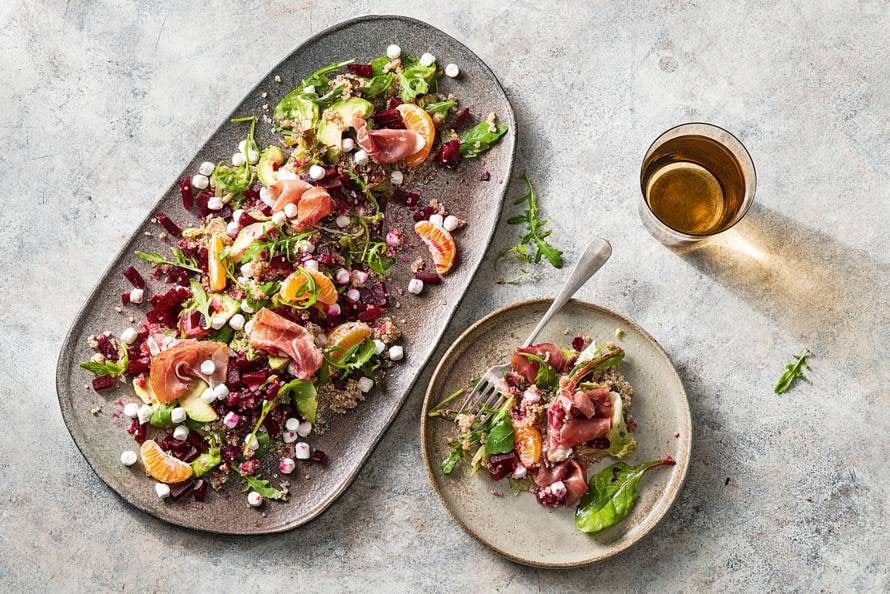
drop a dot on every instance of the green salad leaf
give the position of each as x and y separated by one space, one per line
380 81
478 139
302 393
793 372
294 110
534 245
454 456
206 462
415 79
179 259
200 301
500 432
546 376
440 108
620 441
261 486
112 368
613 493
232 180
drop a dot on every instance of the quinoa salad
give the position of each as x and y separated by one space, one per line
563 409
270 311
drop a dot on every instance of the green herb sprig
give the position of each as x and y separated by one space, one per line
179 259
534 245
261 486
793 372
112 368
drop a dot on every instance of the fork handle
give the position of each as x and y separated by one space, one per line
591 260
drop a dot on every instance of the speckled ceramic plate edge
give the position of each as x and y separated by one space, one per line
651 520
331 497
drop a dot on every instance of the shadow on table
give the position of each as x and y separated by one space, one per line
832 298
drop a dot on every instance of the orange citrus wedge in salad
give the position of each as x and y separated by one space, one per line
527 440
161 466
216 266
441 245
418 120
345 336
295 288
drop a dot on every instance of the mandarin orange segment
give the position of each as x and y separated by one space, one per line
418 120
161 466
345 336
527 441
216 267
294 289
441 245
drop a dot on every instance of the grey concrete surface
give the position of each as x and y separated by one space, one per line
102 102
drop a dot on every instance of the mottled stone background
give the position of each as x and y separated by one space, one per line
101 103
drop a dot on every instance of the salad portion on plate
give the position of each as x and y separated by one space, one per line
563 409
273 309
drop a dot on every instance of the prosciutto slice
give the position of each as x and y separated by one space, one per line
576 431
314 205
387 146
528 368
593 403
278 336
287 191
573 474
175 371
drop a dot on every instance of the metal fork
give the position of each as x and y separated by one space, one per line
487 394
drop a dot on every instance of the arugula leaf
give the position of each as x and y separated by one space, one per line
500 436
620 441
114 369
302 393
536 234
478 139
179 259
375 259
546 375
319 78
613 493
354 358
793 372
379 84
231 179
261 486
609 355
415 79
200 301
440 108
454 456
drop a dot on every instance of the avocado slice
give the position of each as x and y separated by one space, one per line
278 363
266 166
224 305
147 394
337 118
196 408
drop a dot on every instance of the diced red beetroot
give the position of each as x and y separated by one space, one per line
485 176
125 298
364 70
177 491
202 200
578 343
103 382
449 153
255 378
319 456
138 431
461 120
171 227
136 363
230 452
134 277
428 278
200 490
393 103
424 213
246 220
500 465
548 499
389 118
185 188
166 306
254 190
107 348
369 315
191 325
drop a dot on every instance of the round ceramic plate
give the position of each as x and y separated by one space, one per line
517 527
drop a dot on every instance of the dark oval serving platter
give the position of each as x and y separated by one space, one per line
348 439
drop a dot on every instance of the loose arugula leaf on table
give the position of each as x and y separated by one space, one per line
534 245
302 393
112 368
793 372
613 493
261 486
478 139
179 259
